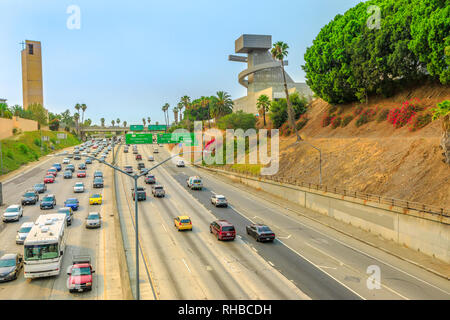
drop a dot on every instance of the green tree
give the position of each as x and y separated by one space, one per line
118 122
263 105
125 124
221 105
76 118
149 120
237 120
102 120
279 52
39 113
113 123
83 108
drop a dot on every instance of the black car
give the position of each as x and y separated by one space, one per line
30 197
98 174
77 157
40 187
82 166
141 194
48 202
98 182
70 167
68 174
260 232
10 266
141 165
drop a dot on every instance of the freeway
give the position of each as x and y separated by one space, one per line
321 262
80 241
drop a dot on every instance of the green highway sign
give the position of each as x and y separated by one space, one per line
137 128
139 138
188 139
160 127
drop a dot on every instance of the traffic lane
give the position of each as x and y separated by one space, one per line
308 278
395 284
269 284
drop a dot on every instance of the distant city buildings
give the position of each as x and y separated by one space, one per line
263 74
32 74
3 100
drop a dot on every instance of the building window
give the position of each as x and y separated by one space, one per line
30 49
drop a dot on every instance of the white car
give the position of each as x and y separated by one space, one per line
180 164
22 233
219 201
151 158
79 187
93 220
84 154
13 213
155 150
66 161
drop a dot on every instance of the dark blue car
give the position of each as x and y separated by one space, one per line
57 166
72 203
88 161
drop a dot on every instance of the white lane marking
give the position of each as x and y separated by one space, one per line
270 262
325 267
254 249
324 253
213 192
288 237
165 228
186 265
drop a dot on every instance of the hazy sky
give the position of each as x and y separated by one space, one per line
131 57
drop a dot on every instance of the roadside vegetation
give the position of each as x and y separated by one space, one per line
26 147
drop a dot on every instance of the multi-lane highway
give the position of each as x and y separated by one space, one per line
306 261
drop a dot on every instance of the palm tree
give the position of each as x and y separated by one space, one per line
165 108
263 104
279 52
149 120
118 122
76 117
113 122
175 114
223 105
78 107
143 121
125 124
102 120
185 102
83 108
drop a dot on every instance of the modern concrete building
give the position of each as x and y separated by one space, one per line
32 74
3 100
263 74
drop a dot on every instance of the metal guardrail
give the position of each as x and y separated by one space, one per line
405 204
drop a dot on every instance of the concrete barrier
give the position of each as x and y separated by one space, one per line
422 231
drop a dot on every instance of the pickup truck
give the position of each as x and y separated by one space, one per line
158 191
194 183
141 194
80 274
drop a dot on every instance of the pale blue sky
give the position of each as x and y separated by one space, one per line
131 57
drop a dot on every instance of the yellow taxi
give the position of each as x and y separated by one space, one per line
183 223
95 199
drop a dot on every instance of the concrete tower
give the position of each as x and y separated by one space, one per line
32 74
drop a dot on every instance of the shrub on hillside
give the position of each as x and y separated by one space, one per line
346 121
10 155
302 122
419 121
332 109
365 117
237 120
358 111
399 117
23 148
326 120
382 116
336 122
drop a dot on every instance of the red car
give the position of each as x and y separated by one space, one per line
81 174
52 171
138 157
80 274
49 179
223 230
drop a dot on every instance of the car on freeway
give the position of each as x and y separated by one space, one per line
40 187
141 194
102 158
125 150
81 174
67 174
98 174
70 156
158 191
95 199
48 202
57 166
219 201
70 167
183 223
181 164
72 203
138 157
260 232
195 183
98 183
30 197
78 187
93 220
10 266
22 233
151 158
77 157
155 150
150 179
128 169
82 166
69 214
141 165
52 171
84 154
135 151
223 230
49 178
88 161
80 274
66 161
13 213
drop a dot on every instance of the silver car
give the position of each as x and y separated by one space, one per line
79 187
23 232
13 213
93 220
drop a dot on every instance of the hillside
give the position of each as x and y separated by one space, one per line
376 157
